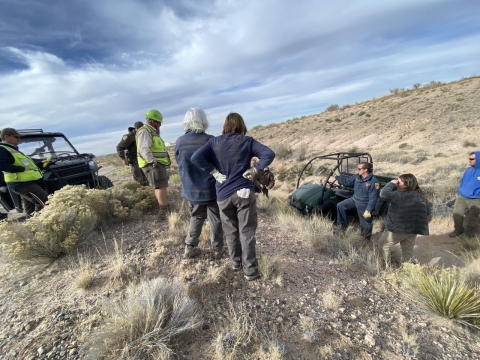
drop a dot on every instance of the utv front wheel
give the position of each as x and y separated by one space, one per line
102 182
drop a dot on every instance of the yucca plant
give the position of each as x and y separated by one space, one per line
446 293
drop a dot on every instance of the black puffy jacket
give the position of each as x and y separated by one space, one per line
408 212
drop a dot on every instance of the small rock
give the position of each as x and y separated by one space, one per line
41 350
280 320
235 284
369 340
72 352
22 283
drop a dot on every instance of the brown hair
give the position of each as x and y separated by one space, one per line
367 165
234 124
411 183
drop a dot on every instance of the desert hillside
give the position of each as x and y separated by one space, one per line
95 275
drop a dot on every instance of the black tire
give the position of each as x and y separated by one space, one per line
102 182
329 210
3 216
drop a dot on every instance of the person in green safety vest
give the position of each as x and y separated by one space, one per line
21 173
153 158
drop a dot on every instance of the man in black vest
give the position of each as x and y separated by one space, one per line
127 150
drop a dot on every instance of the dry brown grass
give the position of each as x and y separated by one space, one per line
330 300
268 266
152 319
84 273
237 334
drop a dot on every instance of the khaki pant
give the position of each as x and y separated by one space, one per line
138 175
470 208
407 243
239 220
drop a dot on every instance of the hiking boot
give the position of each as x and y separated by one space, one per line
252 277
163 212
455 234
236 266
218 253
191 251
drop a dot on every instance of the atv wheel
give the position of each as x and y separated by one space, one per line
102 182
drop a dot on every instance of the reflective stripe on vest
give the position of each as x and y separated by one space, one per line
157 149
31 173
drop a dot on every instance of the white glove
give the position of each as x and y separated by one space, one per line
249 173
218 176
367 214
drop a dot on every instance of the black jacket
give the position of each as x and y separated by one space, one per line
128 143
408 212
265 178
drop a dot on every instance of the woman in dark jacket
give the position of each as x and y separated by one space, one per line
408 215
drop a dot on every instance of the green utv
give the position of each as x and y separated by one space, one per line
313 198
66 166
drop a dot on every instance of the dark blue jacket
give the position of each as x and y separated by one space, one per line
230 154
198 187
470 183
365 192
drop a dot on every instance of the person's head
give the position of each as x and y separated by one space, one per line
234 124
266 169
364 168
471 159
407 182
253 162
130 129
154 118
138 125
10 136
195 120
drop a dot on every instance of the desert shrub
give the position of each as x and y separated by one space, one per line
361 113
148 323
393 157
333 107
269 266
174 179
468 143
353 149
54 231
403 146
300 152
417 85
443 291
281 150
281 173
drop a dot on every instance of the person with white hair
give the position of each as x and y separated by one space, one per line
198 187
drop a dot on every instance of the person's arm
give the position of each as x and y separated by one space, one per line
388 194
349 182
256 181
429 210
203 158
6 162
144 145
271 182
264 153
372 196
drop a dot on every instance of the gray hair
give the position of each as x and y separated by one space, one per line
195 120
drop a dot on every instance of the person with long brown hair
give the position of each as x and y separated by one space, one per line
408 215
227 158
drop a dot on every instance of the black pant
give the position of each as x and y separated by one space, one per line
34 197
265 191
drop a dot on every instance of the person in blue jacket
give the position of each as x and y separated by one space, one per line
227 158
198 187
467 202
366 188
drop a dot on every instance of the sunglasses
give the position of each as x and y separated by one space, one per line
471 159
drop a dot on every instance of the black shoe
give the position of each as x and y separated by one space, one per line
236 266
252 277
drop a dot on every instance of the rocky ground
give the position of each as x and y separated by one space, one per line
313 306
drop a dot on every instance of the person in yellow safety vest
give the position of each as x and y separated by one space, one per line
22 175
153 158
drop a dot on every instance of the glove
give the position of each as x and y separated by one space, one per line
249 173
218 176
367 214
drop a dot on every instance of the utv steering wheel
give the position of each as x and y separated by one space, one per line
332 181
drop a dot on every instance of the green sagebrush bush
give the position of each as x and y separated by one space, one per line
71 214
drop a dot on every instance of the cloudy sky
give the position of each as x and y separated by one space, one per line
91 68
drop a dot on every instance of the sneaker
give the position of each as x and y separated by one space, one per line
236 266
163 212
218 253
191 252
252 277
454 234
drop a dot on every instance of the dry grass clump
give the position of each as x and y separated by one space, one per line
325 352
121 271
282 150
330 300
393 157
268 266
308 328
177 227
272 349
84 272
443 291
148 323
129 201
300 152
174 179
237 334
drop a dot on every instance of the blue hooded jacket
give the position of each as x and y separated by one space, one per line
470 183
198 187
